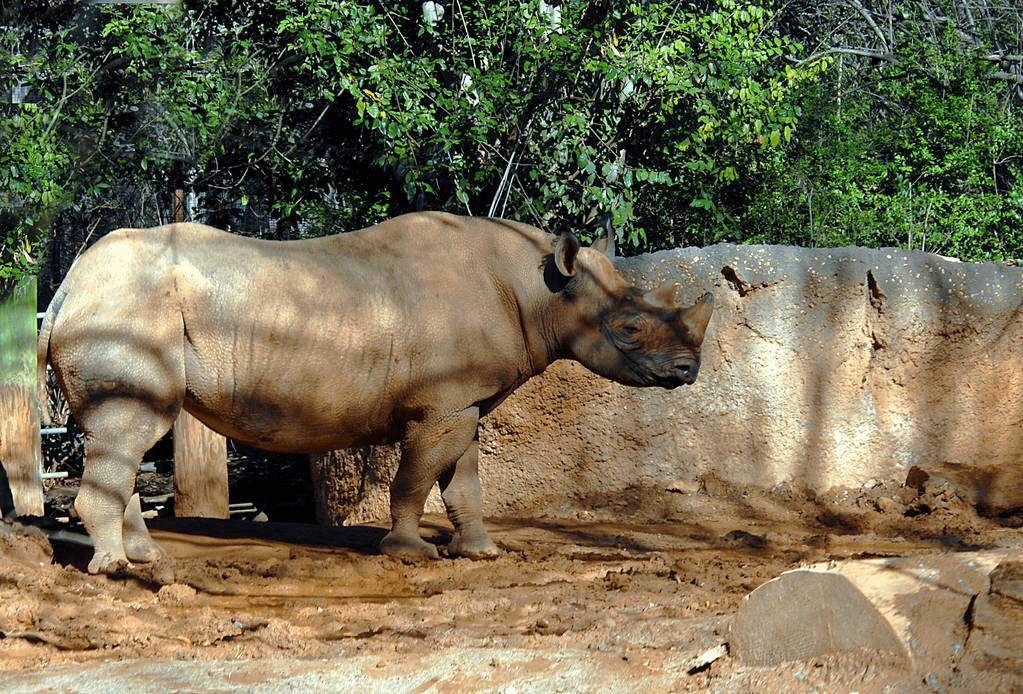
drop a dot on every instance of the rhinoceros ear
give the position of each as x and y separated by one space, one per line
606 243
566 248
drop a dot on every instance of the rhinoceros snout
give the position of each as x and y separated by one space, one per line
685 371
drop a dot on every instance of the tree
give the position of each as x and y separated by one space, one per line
687 122
912 139
331 115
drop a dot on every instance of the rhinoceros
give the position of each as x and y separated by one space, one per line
410 331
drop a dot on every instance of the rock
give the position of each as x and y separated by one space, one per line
886 504
741 538
705 659
993 490
993 658
684 486
1007 580
916 479
913 608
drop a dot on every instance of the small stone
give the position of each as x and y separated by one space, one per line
1007 580
886 504
684 486
916 479
176 595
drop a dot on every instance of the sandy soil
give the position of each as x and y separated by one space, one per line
644 583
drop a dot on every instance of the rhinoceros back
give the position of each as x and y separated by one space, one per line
304 345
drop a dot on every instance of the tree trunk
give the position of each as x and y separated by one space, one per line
349 485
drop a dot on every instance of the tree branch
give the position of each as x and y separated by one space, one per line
1007 76
870 20
999 58
861 52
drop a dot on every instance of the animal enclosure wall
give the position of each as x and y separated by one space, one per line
833 367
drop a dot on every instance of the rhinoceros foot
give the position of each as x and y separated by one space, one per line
465 545
403 547
138 545
142 549
107 563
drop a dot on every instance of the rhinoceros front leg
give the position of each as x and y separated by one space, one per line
460 489
432 448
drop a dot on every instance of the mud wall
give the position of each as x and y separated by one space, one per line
832 366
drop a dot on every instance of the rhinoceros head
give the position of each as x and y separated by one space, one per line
617 330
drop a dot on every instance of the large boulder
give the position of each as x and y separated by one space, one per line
953 619
829 366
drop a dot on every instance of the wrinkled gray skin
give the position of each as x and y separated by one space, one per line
408 331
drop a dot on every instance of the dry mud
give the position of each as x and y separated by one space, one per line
626 595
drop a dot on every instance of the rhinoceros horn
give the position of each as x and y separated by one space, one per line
664 295
696 317
606 243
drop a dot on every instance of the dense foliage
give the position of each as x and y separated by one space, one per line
914 138
686 122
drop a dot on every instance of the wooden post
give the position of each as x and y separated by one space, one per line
200 454
20 450
200 470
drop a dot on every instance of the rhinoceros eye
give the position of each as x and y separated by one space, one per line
630 329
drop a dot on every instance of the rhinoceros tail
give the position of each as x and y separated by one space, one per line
43 355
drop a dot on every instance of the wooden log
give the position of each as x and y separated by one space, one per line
200 470
6 498
20 449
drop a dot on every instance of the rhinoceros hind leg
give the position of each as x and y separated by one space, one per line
117 433
101 504
460 489
138 545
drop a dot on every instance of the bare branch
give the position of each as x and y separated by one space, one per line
1007 76
870 20
861 52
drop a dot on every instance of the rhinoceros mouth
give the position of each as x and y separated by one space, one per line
670 375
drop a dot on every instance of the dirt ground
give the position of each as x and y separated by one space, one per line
644 585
